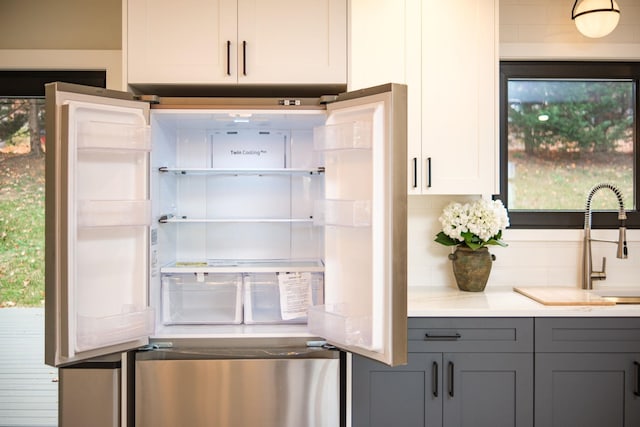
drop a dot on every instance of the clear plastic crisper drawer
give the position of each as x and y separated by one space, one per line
202 298
281 297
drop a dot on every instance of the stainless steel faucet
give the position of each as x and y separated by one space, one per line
588 275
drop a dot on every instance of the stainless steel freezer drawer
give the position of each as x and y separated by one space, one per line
89 393
269 388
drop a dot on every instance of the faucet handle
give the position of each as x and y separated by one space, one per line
600 275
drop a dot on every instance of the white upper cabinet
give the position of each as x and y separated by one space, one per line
447 54
236 42
459 117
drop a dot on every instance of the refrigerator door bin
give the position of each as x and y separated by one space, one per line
281 297
343 136
202 298
113 131
100 331
350 213
342 325
110 213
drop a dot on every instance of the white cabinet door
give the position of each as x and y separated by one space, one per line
237 42
192 41
446 53
459 97
292 41
384 39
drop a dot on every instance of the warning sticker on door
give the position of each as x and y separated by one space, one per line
295 294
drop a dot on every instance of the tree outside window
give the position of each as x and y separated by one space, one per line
22 186
22 142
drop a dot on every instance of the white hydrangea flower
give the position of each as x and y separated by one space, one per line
483 218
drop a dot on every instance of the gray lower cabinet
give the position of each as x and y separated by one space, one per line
461 372
587 372
407 396
488 389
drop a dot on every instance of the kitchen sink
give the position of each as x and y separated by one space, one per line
619 296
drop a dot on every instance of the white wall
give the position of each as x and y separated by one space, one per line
62 35
543 29
62 59
535 29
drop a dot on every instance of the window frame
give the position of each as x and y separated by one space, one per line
30 83
568 70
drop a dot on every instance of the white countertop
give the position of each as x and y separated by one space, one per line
499 302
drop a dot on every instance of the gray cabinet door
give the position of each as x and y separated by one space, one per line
407 396
473 372
587 389
488 390
450 389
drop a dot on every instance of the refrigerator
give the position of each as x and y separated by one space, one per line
234 248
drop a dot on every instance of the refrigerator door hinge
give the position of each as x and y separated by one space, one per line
156 346
290 102
151 99
328 99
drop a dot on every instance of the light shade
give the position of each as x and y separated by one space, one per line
595 18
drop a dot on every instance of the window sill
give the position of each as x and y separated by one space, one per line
549 235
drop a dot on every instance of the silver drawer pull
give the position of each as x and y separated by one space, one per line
448 337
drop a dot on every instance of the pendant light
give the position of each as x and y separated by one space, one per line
595 18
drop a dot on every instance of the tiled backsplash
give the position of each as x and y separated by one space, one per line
533 257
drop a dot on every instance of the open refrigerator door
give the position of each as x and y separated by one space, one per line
97 229
364 218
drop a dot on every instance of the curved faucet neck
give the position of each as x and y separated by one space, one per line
622 216
588 274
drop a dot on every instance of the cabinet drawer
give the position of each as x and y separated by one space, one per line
470 334
587 334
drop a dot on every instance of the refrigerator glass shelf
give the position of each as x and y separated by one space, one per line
234 171
179 219
245 266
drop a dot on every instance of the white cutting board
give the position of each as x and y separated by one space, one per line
554 295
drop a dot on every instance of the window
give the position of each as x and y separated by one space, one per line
564 128
22 158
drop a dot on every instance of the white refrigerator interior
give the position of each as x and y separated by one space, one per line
235 243
214 221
